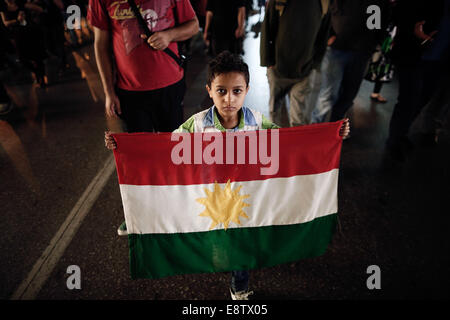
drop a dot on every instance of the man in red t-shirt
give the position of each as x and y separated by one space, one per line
148 90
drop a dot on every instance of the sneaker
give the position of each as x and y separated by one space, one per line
122 230
240 295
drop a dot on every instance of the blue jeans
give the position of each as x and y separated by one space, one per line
239 280
342 74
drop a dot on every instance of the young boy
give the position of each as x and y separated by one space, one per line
227 85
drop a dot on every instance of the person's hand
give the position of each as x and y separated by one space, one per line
205 38
159 40
110 143
21 17
344 131
239 33
419 33
112 105
331 40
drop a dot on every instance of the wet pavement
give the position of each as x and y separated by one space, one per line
393 215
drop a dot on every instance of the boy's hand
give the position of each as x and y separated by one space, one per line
110 143
345 128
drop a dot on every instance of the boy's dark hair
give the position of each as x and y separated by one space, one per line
227 62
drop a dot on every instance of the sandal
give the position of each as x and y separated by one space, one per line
378 98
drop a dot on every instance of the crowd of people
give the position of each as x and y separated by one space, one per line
412 39
411 44
34 31
144 81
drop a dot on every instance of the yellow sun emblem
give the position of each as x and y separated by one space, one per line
224 205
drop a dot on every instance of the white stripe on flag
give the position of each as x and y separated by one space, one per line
277 201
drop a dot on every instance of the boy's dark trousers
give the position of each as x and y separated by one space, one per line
159 110
239 280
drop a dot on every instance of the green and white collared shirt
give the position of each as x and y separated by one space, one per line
208 121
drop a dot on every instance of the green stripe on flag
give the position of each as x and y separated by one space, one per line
160 255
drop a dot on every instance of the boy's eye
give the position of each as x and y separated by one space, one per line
237 91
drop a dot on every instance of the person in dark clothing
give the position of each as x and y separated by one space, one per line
225 25
293 42
147 89
54 31
5 101
199 7
436 115
344 65
421 54
381 68
27 38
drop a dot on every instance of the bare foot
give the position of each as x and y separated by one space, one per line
378 97
381 99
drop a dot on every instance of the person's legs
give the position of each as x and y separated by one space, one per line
376 92
219 43
239 281
377 87
134 110
315 80
4 98
410 86
299 110
432 76
57 38
40 71
5 101
158 110
332 70
278 91
155 110
437 109
432 99
354 69
167 111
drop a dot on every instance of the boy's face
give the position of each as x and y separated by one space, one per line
228 91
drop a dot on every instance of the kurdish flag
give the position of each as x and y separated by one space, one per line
215 202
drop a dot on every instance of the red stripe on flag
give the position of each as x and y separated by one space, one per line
148 158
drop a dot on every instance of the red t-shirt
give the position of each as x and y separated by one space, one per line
139 67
